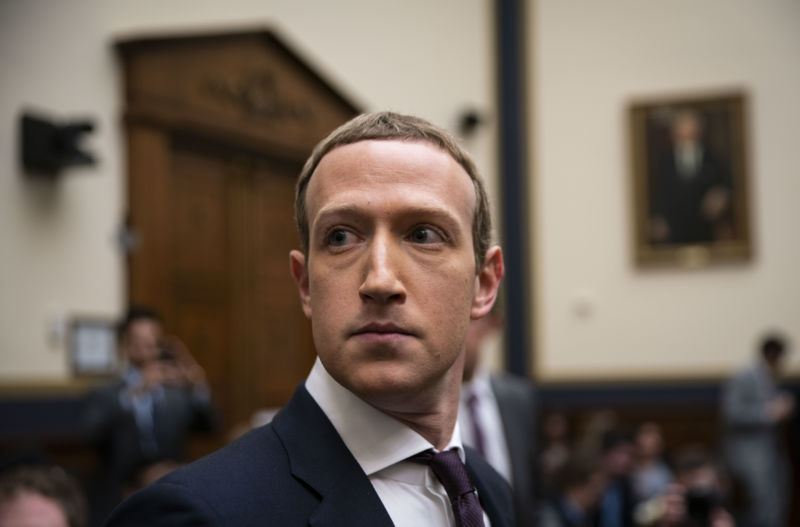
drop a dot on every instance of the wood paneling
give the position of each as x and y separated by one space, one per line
218 128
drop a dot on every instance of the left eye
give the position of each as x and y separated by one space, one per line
340 238
425 235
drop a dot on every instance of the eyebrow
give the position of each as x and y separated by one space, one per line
425 214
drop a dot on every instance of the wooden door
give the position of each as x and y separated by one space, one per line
211 190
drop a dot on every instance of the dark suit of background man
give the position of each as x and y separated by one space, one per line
144 417
497 417
690 194
396 261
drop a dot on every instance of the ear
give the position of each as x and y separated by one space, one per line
297 263
487 282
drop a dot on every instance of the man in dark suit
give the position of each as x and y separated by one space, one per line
690 189
144 416
396 261
497 417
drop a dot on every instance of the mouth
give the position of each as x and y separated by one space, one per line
381 328
382 334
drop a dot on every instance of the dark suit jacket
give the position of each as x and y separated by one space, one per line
517 403
112 429
678 200
295 471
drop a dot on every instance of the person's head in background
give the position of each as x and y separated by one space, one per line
695 468
618 452
139 335
773 352
582 481
703 486
649 442
40 496
477 333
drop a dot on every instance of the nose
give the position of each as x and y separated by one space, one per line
381 283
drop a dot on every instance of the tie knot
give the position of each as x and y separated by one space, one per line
449 469
452 473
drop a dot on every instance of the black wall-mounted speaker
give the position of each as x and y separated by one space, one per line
47 147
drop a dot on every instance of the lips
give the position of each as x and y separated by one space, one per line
381 328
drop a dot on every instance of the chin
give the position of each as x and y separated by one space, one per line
382 380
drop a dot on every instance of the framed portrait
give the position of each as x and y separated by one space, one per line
690 180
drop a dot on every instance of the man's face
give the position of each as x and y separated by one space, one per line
686 128
389 281
141 341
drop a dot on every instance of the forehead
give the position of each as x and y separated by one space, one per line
144 327
28 505
379 172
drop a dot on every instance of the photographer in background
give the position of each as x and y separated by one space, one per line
145 415
696 498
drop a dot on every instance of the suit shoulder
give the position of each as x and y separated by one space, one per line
244 459
165 503
506 383
232 486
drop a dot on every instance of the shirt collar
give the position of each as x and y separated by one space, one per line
375 439
132 376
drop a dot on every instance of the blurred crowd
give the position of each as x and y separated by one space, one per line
615 475
612 476
590 471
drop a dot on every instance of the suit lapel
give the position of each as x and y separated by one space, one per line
512 416
493 491
319 458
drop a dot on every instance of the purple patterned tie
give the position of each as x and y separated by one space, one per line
449 469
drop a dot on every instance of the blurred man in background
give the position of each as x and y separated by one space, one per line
754 410
497 416
145 416
578 486
618 501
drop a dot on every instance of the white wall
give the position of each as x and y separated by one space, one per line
58 256
598 316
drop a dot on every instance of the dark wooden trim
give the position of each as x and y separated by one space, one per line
133 43
205 129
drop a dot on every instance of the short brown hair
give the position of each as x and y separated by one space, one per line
389 126
51 482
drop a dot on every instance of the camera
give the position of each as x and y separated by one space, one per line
700 504
165 352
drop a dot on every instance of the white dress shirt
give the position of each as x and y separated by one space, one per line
382 445
491 424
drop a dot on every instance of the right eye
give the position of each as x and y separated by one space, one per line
340 238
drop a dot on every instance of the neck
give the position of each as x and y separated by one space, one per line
430 412
436 425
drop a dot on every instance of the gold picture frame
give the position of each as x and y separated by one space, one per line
690 180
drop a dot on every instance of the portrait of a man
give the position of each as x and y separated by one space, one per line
689 180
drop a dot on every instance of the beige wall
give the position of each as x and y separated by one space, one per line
598 316
58 257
